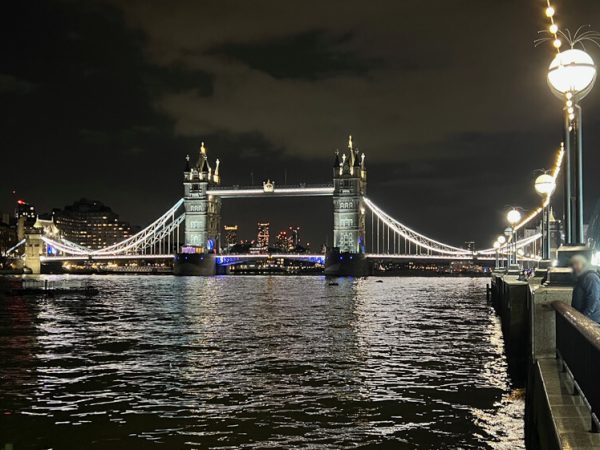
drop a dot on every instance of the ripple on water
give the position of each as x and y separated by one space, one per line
257 362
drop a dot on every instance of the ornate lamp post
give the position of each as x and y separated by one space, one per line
508 233
571 76
497 247
545 185
500 241
513 218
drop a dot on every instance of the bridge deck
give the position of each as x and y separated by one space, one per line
247 257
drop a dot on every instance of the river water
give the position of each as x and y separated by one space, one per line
257 362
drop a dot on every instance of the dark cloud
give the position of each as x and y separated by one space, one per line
10 84
311 55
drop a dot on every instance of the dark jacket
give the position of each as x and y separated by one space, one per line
586 295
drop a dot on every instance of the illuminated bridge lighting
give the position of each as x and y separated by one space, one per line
102 257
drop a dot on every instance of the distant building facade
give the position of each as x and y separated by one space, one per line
231 235
27 211
263 234
294 236
8 232
91 223
283 241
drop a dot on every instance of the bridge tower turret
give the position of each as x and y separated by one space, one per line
202 218
346 257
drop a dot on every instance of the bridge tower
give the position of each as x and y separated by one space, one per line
347 256
202 218
34 249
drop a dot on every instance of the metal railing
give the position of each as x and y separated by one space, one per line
578 346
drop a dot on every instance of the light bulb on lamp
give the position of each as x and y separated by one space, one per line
513 217
572 72
545 184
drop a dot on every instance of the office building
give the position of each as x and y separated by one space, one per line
231 235
263 235
91 224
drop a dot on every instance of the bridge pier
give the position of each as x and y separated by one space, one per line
195 264
346 264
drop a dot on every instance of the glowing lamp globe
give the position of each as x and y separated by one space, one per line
501 239
513 217
572 71
497 245
545 184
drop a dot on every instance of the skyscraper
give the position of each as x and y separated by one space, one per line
231 235
294 236
263 235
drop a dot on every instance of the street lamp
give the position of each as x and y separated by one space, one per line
571 76
497 247
508 233
545 185
513 218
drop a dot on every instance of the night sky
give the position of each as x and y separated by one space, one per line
448 100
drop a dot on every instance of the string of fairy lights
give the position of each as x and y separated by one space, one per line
557 44
553 28
545 202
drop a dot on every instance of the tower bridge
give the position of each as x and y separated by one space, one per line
190 231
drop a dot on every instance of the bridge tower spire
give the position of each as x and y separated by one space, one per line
346 257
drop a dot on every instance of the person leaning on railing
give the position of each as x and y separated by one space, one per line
586 294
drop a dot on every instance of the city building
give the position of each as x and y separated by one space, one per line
283 241
294 236
27 211
231 235
8 232
263 234
6 218
91 223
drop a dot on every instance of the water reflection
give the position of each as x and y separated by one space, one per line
255 362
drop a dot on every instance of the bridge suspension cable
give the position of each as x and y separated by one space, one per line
401 235
161 236
14 247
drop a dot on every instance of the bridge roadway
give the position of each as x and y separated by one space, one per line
227 259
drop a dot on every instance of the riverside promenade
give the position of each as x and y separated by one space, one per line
553 352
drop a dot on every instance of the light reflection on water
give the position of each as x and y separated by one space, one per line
255 362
